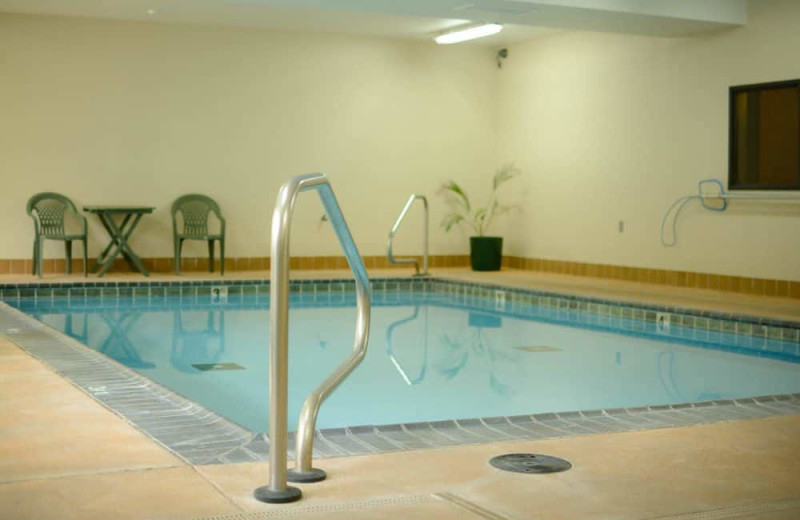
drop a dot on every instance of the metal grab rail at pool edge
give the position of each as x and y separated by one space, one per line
394 229
277 491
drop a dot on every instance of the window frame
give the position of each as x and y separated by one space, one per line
733 183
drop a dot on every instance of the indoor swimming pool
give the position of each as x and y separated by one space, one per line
438 350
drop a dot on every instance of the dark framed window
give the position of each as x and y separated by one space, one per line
764 151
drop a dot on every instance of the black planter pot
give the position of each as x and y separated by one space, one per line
485 253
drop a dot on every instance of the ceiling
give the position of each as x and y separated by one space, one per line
415 19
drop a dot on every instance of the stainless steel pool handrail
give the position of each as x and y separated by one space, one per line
277 491
390 350
396 226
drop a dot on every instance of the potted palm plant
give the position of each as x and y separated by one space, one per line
485 252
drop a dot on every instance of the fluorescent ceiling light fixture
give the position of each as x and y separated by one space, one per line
468 33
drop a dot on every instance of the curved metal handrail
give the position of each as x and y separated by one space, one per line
277 490
396 225
390 351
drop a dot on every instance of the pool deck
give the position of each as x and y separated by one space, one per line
63 455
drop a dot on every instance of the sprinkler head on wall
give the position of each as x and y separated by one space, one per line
501 55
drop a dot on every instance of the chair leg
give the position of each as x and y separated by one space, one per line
68 251
221 256
85 257
210 256
40 263
35 255
177 243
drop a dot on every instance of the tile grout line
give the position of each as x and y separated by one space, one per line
427 442
377 431
470 506
91 474
490 428
357 440
443 433
218 488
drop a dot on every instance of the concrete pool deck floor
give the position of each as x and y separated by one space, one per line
63 455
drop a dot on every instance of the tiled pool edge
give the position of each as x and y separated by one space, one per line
182 426
751 335
199 436
198 289
364 440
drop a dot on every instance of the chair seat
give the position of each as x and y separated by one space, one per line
200 237
63 237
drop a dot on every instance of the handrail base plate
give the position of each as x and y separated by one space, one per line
306 477
270 496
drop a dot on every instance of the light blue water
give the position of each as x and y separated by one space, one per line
426 361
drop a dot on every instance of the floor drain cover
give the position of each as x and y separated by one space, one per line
530 463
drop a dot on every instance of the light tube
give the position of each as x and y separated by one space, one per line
469 33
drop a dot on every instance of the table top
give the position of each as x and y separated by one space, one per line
119 209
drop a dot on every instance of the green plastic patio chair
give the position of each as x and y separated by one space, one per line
194 210
48 211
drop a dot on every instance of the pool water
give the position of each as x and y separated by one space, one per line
428 359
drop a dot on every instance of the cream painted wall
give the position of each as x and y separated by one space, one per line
614 127
605 128
136 113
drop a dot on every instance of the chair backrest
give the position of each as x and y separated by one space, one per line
194 209
195 344
47 210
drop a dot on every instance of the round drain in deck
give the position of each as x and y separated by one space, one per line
530 463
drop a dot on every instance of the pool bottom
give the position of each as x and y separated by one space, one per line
202 437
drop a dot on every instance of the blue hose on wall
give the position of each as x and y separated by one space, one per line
678 205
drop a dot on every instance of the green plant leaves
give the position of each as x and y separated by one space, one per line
480 218
505 173
451 220
454 189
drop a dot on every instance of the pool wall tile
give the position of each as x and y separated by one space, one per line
400 436
370 435
344 441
